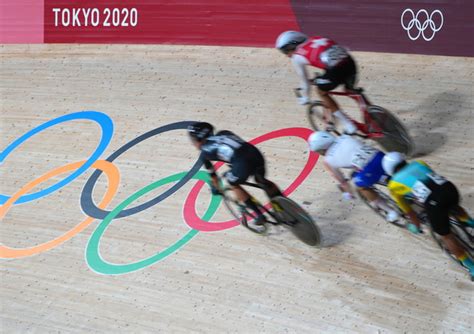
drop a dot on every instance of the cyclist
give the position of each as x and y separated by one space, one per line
244 158
325 54
438 196
366 162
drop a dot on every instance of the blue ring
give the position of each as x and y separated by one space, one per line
107 130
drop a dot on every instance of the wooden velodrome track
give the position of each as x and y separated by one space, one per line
368 277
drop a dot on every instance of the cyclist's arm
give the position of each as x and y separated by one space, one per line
299 63
212 172
337 174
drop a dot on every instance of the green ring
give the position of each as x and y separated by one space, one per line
99 265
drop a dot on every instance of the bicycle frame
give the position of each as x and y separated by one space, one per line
266 207
363 103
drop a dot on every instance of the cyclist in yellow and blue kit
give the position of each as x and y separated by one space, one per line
438 196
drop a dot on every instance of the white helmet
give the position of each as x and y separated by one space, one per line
320 140
289 40
391 160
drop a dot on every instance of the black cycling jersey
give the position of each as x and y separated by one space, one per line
244 158
223 146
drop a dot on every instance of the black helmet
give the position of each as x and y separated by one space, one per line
200 130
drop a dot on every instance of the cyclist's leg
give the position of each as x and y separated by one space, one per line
239 173
459 213
463 216
376 202
259 171
271 189
330 80
438 205
324 84
350 79
236 176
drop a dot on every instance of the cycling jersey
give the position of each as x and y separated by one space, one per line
416 179
322 52
348 152
438 195
244 158
325 54
222 146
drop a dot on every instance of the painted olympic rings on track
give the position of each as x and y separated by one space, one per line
189 209
92 254
95 261
107 127
91 209
113 177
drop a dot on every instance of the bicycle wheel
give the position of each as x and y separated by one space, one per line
315 114
464 236
389 201
396 137
298 220
241 214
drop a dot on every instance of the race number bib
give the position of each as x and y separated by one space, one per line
332 56
420 191
363 156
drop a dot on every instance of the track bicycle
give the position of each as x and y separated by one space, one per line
280 211
463 233
378 123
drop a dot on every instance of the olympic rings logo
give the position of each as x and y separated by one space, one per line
421 27
98 211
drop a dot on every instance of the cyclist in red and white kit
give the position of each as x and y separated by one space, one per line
325 54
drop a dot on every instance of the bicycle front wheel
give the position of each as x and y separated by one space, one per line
395 135
242 214
299 221
388 200
315 114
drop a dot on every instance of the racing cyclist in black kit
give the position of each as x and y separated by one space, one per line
244 158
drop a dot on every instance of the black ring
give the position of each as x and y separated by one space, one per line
91 209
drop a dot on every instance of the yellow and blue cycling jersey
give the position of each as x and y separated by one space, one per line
402 183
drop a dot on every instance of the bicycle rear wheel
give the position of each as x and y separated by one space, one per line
298 220
389 201
242 214
396 137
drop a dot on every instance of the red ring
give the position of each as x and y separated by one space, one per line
189 210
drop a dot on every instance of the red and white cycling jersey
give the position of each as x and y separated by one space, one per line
322 52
